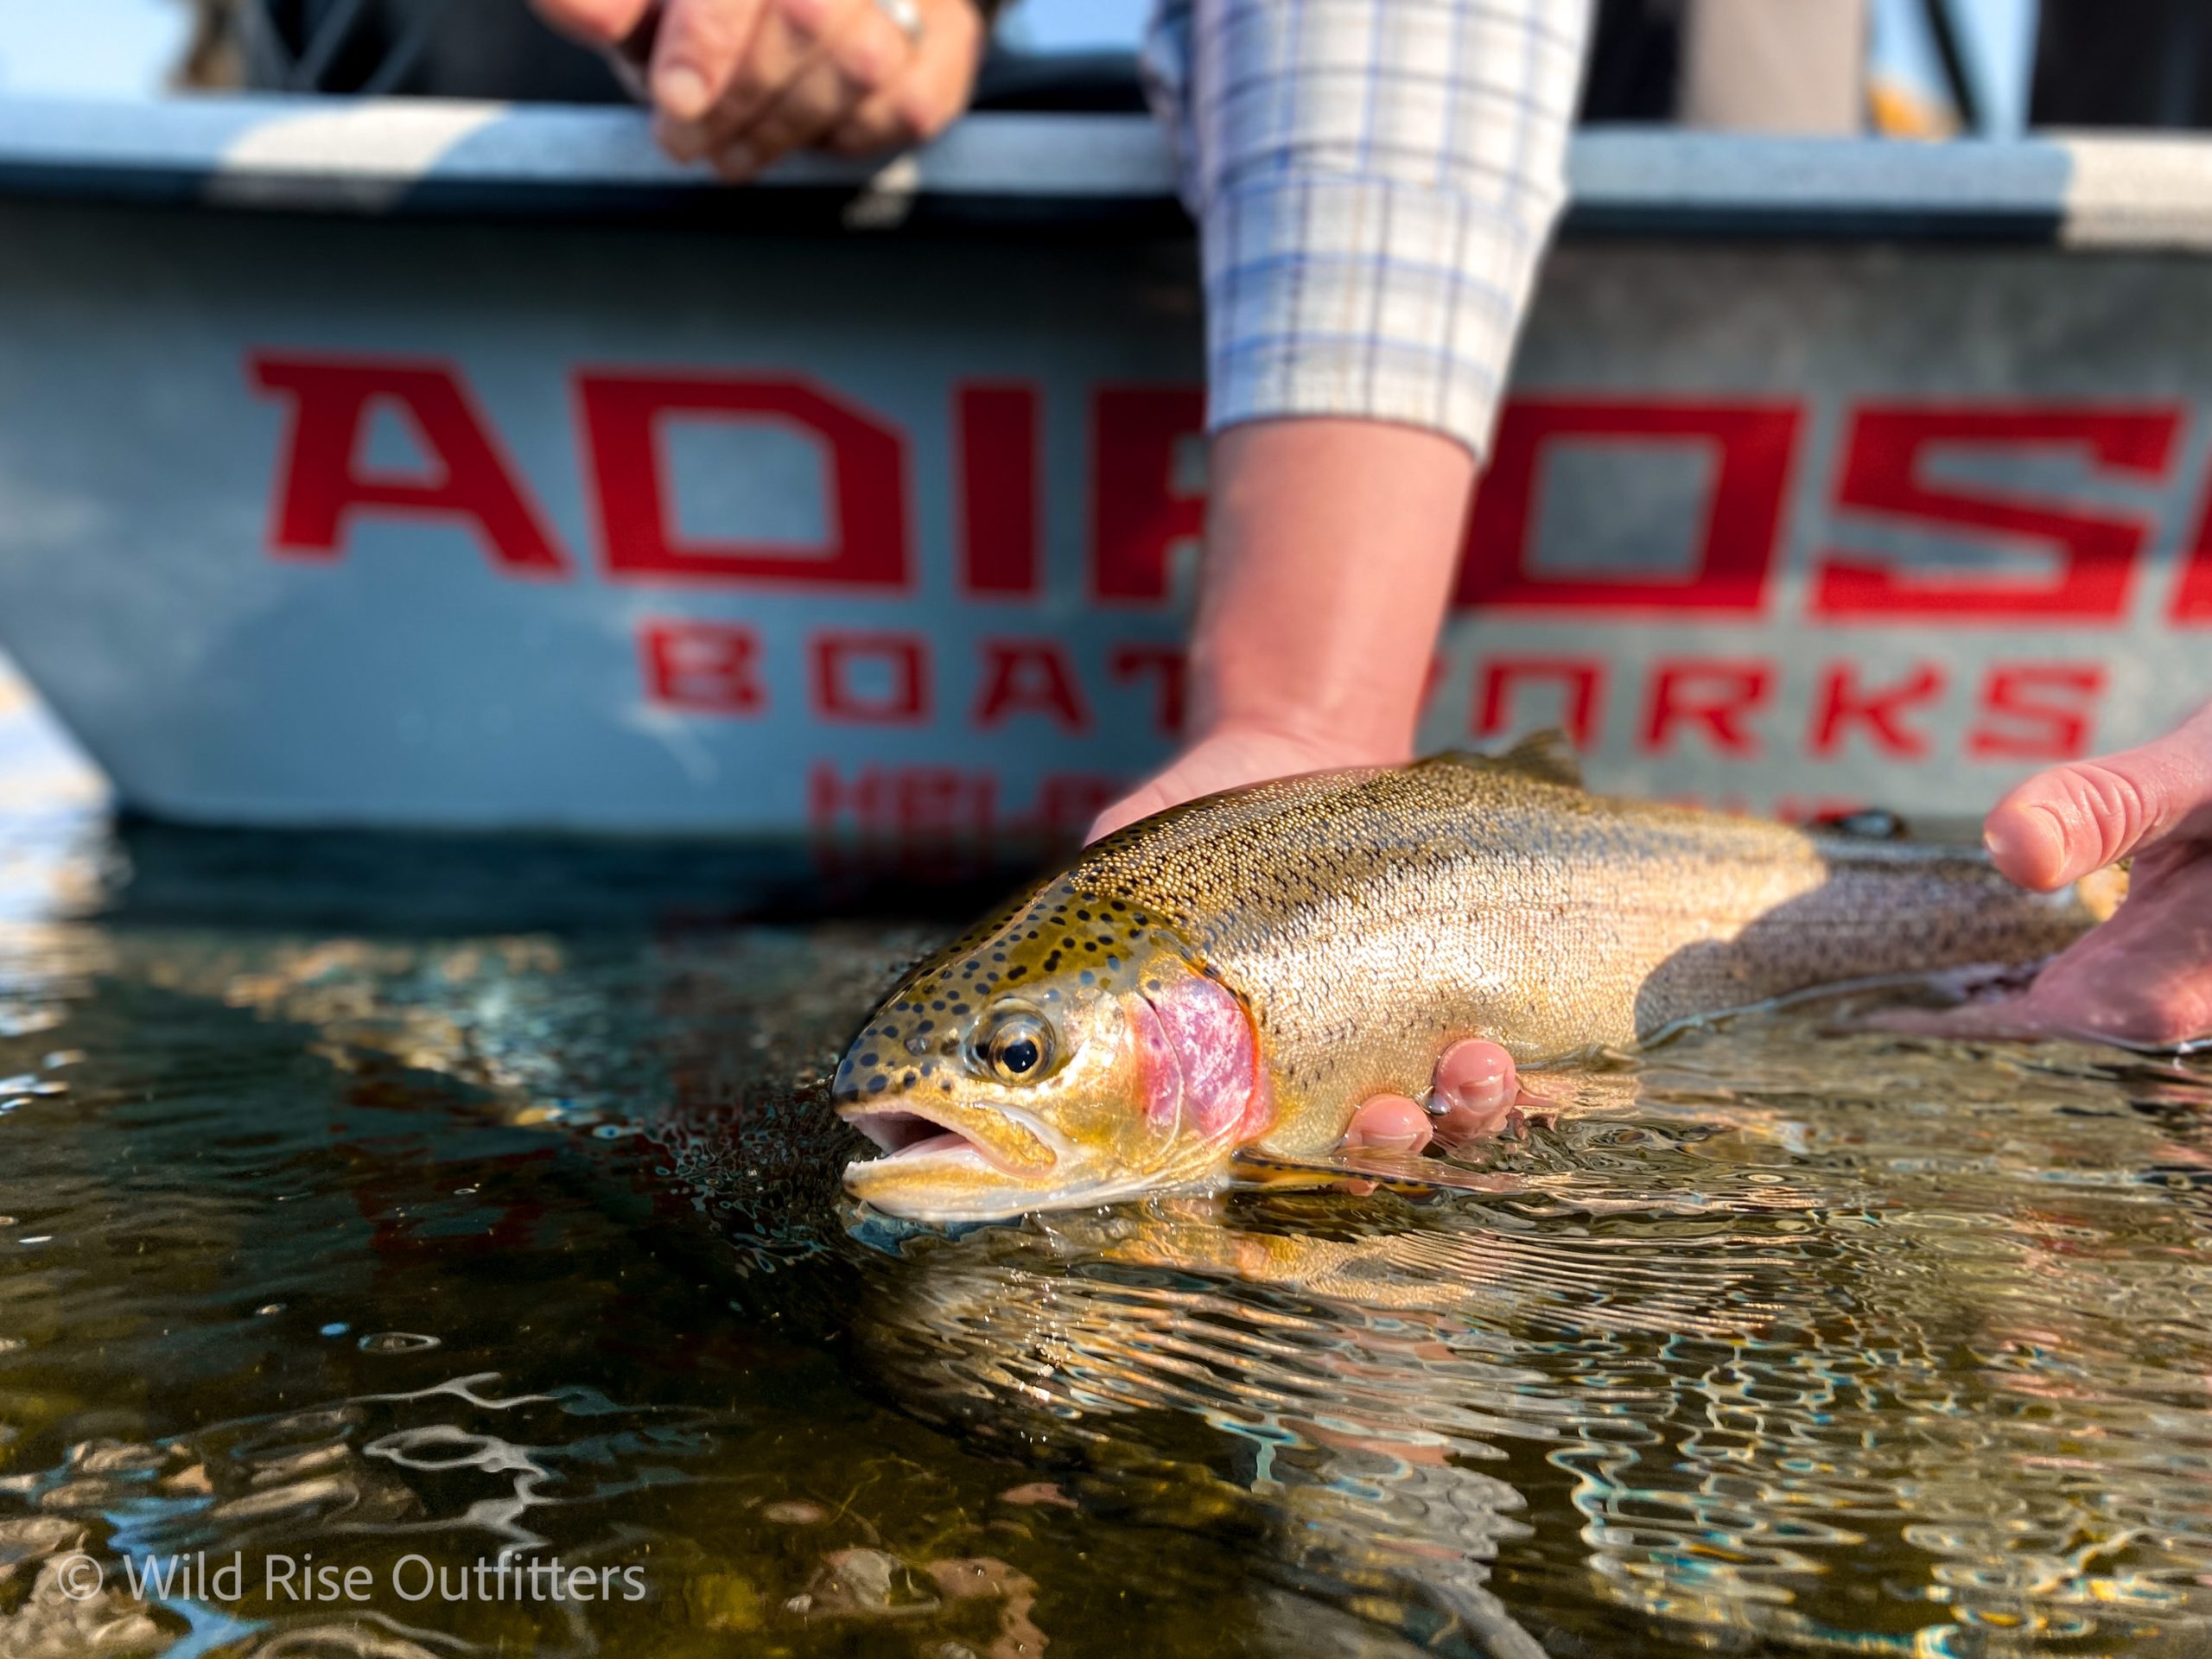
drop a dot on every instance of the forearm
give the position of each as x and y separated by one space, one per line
1362 296
1374 185
1330 547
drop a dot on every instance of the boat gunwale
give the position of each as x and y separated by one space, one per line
1046 172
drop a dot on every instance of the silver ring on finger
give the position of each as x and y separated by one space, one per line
907 15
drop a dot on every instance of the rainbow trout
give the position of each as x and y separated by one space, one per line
1238 974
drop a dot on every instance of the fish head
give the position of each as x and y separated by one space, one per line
1073 1051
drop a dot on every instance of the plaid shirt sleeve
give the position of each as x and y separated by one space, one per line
1374 180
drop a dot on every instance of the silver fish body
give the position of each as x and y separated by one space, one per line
1358 923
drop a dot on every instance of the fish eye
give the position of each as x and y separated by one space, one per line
1017 1045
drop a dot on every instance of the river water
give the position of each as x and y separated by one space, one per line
430 1210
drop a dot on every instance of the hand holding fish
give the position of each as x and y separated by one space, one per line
1475 1089
2143 977
740 83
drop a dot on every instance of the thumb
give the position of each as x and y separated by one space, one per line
2062 823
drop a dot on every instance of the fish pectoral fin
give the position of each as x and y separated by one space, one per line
1253 1168
1547 754
2102 891
1401 1170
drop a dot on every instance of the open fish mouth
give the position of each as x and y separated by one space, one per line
982 1137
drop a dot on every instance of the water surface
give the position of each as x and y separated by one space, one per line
385 1203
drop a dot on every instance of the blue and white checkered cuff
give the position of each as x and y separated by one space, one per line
1355 294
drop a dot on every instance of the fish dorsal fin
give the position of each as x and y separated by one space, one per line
1546 754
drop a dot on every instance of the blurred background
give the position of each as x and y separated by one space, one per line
123 48
1910 69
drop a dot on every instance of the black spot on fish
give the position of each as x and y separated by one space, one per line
926 1025
960 1007
1013 973
1117 905
877 1083
906 1081
1089 978
868 1059
1082 915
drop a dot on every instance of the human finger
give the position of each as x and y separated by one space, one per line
1388 1123
2062 823
1477 1086
861 52
785 43
706 55
930 96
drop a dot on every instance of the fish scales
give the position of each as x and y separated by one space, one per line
1239 973
1370 918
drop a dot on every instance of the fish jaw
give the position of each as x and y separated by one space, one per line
982 1135
944 1161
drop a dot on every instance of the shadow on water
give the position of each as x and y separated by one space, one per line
448 1202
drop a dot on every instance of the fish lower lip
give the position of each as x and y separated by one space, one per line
903 1133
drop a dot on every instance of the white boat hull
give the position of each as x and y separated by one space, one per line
404 515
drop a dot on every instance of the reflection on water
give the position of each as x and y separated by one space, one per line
1927 1370
409 1222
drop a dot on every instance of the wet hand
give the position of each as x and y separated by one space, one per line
2145 977
740 83
1476 1083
